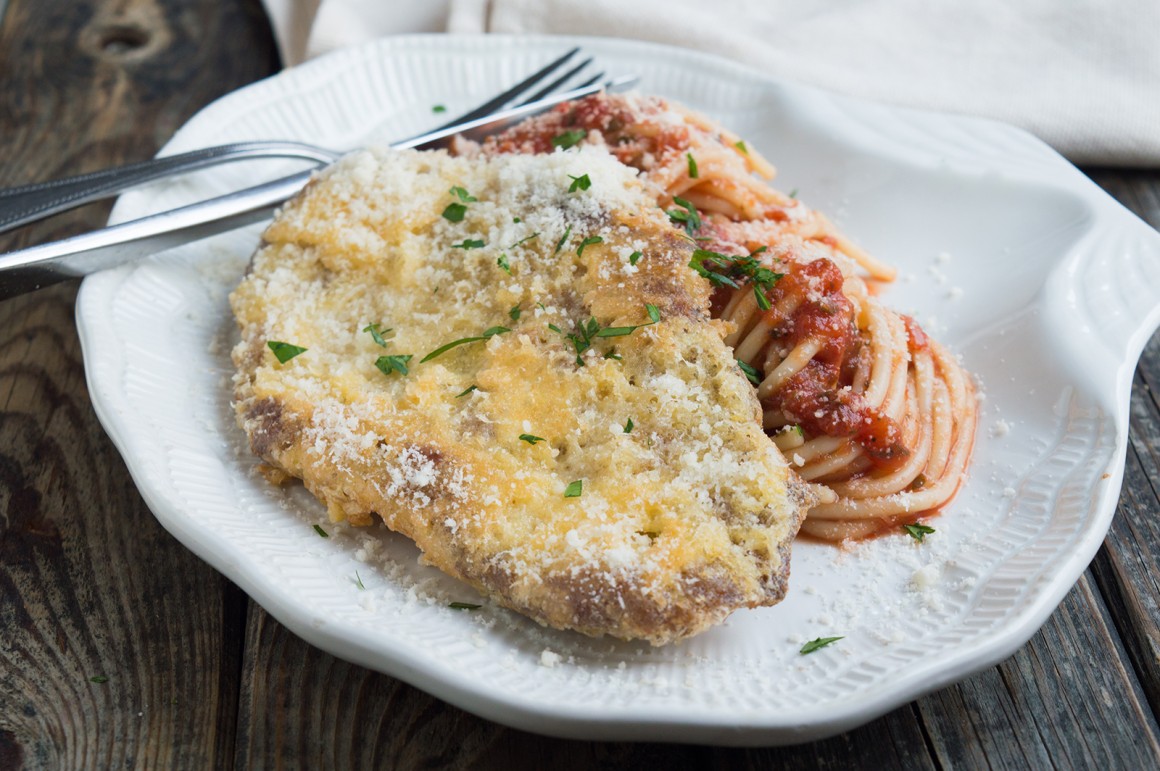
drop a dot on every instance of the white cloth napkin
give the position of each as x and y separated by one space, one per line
1084 75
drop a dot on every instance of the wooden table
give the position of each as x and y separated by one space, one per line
199 676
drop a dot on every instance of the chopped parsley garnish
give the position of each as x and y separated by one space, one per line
378 334
514 313
704 262
590 330
358 580
793 193
502 262
762 299
820 642
612 354
467 390
454 212
563 239
574 489
581 182
321 533
517 220
918 532
99 679
588 242
689 217
470 243
524 240
395 363
750 372
634 258
740 145
693 174
464 606
531 438
628 426
723 270
463 195
438 108
492 332
284 352
568 138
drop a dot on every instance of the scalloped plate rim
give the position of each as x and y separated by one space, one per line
602 721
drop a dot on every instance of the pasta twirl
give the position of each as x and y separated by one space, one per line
868 409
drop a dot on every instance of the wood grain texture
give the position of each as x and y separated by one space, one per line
303 708
1068 699
91 587
1127 569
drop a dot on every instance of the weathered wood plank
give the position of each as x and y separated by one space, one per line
1068 699
1084 691
1127 569
302 708
90 585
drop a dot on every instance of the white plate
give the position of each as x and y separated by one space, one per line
1058 290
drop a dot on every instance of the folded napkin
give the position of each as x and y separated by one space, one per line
1084 75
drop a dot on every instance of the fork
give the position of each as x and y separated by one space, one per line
26 204
38 266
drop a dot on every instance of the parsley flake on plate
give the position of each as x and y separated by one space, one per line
463 195
588 242
725 270
466 391
321 533
574 489
587 332
750 372
492 332
502 262
820 642
454 212
394 363
284 352
569 138
690 218
378 334
563 239
693 173
531 439
634 258
918 532
581 182
464 606
628 426
470 243
524 240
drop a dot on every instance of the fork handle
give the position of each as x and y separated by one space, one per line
39 266
29 203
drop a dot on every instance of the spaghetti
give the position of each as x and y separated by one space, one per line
878 417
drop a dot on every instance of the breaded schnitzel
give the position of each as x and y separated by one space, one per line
510 362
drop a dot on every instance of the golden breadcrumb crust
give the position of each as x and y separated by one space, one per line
685 509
